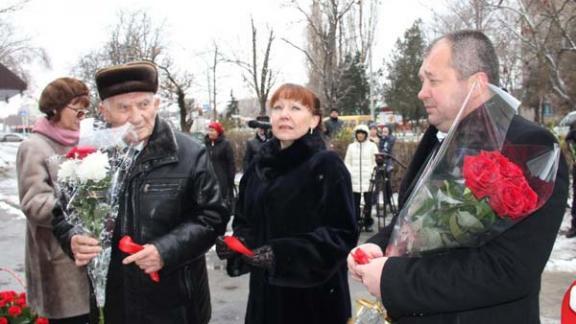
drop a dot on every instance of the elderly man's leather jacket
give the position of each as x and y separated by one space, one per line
170 199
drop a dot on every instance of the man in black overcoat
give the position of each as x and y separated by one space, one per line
498 282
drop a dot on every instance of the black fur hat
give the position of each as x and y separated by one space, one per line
141 76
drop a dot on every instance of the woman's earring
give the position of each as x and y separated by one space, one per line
311 130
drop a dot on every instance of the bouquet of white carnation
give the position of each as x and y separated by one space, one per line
90 179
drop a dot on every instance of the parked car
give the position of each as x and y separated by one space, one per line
12 137
563 126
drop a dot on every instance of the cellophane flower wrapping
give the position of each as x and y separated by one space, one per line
476 185
90 178
369 312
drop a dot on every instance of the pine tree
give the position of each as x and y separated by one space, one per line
353 88
402 85
232 106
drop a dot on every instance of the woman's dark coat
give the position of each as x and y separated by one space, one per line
299 201
170 199
222 157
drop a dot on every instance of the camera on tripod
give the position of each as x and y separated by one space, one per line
380 158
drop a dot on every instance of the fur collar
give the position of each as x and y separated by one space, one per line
272 161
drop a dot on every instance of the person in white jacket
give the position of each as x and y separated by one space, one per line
360 161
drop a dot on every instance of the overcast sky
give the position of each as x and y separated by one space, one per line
67 29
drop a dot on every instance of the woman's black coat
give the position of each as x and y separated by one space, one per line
299 201
222 157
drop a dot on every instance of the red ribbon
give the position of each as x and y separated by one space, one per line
236 245
360 256
126 245
568 314
80 152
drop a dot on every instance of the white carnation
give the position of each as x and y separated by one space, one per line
67 171
93 167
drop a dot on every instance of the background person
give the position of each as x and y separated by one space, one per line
253 145
498 282
333 125
387 140
56 288
374 135
170 203
295 210
571 143
222 157
360 160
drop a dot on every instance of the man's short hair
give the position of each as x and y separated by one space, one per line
472 52
140 76
334 109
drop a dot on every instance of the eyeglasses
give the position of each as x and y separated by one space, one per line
80 112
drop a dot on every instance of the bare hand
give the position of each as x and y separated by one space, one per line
372 251
149 259
84 248
371 273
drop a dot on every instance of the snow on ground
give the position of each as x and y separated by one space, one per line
563 257
7 156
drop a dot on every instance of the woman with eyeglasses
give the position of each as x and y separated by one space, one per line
57 289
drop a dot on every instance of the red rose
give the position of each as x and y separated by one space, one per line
3 320
80 152
41 320
14 311
508 168
21 301
480 173
513 200
9 296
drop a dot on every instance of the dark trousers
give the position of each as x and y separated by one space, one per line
364 218
82 319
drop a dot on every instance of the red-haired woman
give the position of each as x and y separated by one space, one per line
296 211
222 157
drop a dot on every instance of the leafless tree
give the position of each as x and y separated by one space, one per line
175 85
135 37
258 75
484 15
335 29
547 30
16 49
327 43
212 77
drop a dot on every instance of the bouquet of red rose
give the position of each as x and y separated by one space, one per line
477 185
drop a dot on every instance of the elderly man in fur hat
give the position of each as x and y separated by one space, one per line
170 203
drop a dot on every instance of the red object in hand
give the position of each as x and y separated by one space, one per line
126 245
360 256
568 314
80 152
236 245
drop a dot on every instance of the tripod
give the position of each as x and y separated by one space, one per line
381 190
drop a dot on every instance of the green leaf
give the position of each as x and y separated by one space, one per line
469 222
431 239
